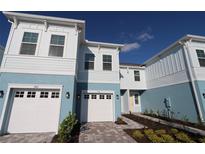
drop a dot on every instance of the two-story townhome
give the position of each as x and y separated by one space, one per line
49 69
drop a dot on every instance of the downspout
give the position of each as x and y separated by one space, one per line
191 79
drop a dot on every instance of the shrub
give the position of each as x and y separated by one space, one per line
66 128
160 131
174 130
202 140
155 139
167 138
137 134
146 111
183 137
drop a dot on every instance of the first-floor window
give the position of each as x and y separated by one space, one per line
201 57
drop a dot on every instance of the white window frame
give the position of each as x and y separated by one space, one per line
136 75
89 61
106 62
22 42
198 57
57 45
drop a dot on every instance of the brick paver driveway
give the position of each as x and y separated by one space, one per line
107 132
27 138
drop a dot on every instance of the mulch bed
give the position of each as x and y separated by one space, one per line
155 126
199 126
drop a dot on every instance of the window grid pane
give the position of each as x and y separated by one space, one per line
56 51
30 37
28 49
107 66
57 40
137 75
89 61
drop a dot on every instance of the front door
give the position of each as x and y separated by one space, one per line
137 105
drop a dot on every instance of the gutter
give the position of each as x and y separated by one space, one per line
191 78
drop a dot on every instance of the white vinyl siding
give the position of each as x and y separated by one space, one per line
56 45
29 43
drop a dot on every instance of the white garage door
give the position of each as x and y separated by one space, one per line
96 107
34 111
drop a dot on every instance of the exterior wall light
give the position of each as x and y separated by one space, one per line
117 97
1 93
67 95
78 96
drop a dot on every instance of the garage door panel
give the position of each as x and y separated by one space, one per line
34 114
94 110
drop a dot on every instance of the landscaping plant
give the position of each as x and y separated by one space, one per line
66 128
160 131
183 137
168 138
137 134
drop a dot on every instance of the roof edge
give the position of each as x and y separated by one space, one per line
94 43
10 15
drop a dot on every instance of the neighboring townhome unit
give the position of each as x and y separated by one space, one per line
98 87
44 75
175 80
132 85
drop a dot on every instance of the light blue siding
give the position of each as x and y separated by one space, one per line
68 83
100 86
180 96
201 90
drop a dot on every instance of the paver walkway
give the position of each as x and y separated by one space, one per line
107 132
27 138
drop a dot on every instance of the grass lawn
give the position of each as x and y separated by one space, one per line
160 133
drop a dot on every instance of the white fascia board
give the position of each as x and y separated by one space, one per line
104 44
31 17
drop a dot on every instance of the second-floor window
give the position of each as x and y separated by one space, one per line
57 45
29 43
107 62
137 75
89 61
201 57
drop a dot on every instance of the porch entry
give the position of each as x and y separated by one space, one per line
134 101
